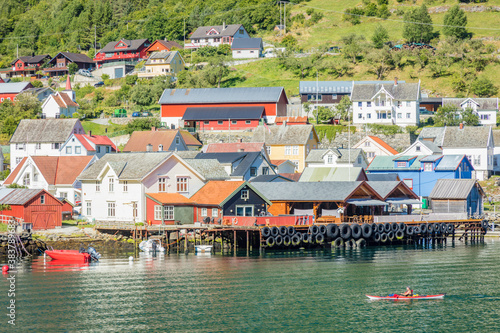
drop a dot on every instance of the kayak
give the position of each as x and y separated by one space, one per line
398 297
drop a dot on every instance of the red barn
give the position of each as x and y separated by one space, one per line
8 91
33 206
175 102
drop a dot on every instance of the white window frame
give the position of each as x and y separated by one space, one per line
78 150
68 150
204 212
111 209
162 184
125 186
168 213
182 184
97 186
245 194
88 207
157 212
427 167
288 150
111 184
295 150
215 212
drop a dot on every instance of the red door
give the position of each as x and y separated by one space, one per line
44 220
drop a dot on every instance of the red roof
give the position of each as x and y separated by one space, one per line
383 144
100 140
235 147
190 140
14 172
278 162
291 120
170 198
214 192
293 176
139 140
164 45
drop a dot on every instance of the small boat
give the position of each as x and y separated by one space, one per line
151 245
81 255
204 248
400 297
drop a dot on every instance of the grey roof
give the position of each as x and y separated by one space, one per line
74 57
43 130
223 113
32 59
283 135
187 154
453 188
246 43
132 45
433 134
245 160
211 169
133 166
229 30
483 103
402 91
221 95
467 137
316 155
449 162
383 187
330 174
431 145
386 177
304 191
167 55
332 87
269 178
431 99
14 87
496 137
18 196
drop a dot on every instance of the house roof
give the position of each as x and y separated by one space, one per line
467 137
483 103
74 57
245 160
382 163
31 59
386 188
63 100
43 130
230 147
283 135
168 56
210 169
139 140
431 145
279 162
496 137
19 196
402 91
190 140
332 87
221 95
450 162
246 43
333 174
383 144
293 176
223 113
432 134
99 140
14 87
291 120
168 44
215 192
316 155
270 178
13 174
382 177
454 188
170 198
132 45
228 30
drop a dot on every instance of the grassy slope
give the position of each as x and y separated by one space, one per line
98 129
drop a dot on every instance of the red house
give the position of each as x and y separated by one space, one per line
123 50
223 118
58 65
33 206
175 102
162 45
8 91
26 66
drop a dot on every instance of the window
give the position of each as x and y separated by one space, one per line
220 122
68 150
55 145
162 184
360 104
125 186
408 115
64 195
244 210
371 154
427 166
369 115
215 212
160 147
307 149
314 97
26 180
182 184
485 117
401 164
177 140
265 170
477 159
296 162
204 211
78 150
409 182
400 104
98 186
42 199
330 159
18 160
108 150
367 143
253 171
368 104
98 149
20 146
417 148
268 149
248 122
359 159
111 209
111 184
288 150
158 212
295 150
360 116
234 122
35 177
168 212
38 146
89 207
408 104
381 115
245 195
206 122
400 115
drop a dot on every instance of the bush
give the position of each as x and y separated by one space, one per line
385 129
411 129
105 77
330 131
309 11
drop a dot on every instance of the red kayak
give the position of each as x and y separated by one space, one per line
399 297
68 255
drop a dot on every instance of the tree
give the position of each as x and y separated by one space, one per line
72 68
418 25
37 84
483 87
342 109
380 61
447 116
380 36
215 71
469 117
27 106
455 21
142 124
353 15
289 42
322 114
352 46
141 95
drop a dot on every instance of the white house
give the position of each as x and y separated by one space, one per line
114 188
389 104
284 166
216 35
83 145
62 103
244 48
41 137
485 108
375 146
422 147
336 157
55 174
496 151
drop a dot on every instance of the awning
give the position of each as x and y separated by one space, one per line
367 202
403 201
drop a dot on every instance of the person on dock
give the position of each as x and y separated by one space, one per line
408 293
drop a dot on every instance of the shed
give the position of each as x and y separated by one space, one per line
169 208
457 196
33 206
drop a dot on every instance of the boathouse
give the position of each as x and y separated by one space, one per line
168 208
457 196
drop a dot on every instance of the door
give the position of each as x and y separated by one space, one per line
43 220
244 210
118 73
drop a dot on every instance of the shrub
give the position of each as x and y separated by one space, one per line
384 129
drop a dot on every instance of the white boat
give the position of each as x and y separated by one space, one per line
151 245
204 248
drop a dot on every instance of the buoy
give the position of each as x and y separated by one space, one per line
131 258
5 268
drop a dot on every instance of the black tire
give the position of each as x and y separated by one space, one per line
361 242
266 232
374 228
444 227
350 243
283 230
300 235
278 240
410 230
290 231
345 231
376 237
402 226
332 231
387 227
394 227
437 227
399 234
366 230
390 235
322 229
338 242
380 228
384 238
313 230
275 231
430 228
306 238
423 228
320 239
355 231
287 240
295 240
450 227
270 241
484 224
417 231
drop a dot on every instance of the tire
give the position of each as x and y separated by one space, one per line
417 231
374 228
376 237
387 227
322 229
350 243
380 228
366 230
270 241
410 230
338 242
295 240
430 228
275 231
345 231
484 224
290 231
384 238
402 226
423 228
283 230
278 240
399 235
361 242
437 227
394 227
320 239
444 227
355 231
390 235
306 238
332 231
450 227
313 230
287 240
266 232
299 235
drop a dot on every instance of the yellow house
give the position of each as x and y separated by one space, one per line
288 142
162 63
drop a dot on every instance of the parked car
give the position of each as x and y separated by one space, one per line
136 114
147 114
84 72
99 84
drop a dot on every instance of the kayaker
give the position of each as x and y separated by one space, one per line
408 293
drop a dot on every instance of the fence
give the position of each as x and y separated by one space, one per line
420 218
249 221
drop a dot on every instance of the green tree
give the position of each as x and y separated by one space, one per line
380 37
483 87
215 71
105 77
353 15
353 46
342 109
130 79
141 95
142 124
72 68
380 61
37 84
455 21
469 117
418 25
289 42
27 106
447 116
322 114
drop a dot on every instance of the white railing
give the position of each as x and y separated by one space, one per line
5 219
420 218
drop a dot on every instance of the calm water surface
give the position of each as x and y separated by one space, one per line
300 291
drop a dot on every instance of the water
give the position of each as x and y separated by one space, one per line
308 291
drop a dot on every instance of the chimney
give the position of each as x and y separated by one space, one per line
240 150
240 140
395 81
90 133
223 26
461 125
149 147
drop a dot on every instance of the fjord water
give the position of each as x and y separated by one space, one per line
294 291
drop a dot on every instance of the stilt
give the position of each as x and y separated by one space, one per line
186 241
248 242
234 241
177 243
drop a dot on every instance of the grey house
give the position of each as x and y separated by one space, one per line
457 196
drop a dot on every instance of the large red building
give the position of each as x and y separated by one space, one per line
175 102
123 50
26 66
9 91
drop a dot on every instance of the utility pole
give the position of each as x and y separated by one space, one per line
184 32
95 40
17 50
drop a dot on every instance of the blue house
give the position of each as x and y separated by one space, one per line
421 173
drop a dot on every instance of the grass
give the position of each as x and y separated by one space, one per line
73 223
98 129
3 227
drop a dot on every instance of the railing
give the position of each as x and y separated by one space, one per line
5 219
419 218
249 221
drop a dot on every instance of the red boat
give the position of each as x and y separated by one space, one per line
400 298
69 255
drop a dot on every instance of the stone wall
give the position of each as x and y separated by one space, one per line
226 137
